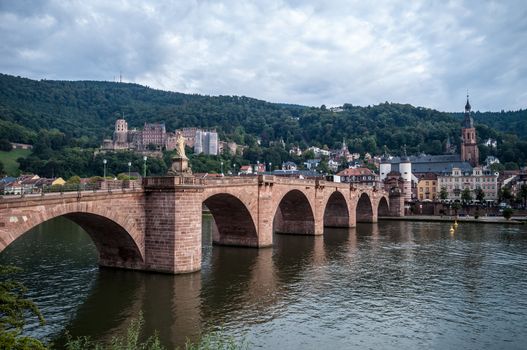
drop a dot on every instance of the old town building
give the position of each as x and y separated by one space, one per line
458 180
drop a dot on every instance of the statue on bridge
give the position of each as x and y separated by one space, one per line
179 160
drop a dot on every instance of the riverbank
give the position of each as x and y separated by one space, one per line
447 218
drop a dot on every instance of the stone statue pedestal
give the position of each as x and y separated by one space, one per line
180 167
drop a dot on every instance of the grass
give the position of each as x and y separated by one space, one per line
215 340
9 160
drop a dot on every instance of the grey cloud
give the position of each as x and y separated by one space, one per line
308 52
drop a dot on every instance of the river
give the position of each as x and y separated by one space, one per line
389 285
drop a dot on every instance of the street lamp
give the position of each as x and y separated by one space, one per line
221 163
104 161
144 166
129 166
234 167
271 167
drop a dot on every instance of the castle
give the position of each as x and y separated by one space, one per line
154 137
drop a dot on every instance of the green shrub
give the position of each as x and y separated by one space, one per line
14 308
507 213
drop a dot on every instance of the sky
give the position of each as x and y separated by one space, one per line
308 52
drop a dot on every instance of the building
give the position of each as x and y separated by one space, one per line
295 151
427 187
469 141
230 147
423 164
289 166
491 143
189 134
362 176
206 142
333 165
153 135
458 180
312 164
246 170
319 152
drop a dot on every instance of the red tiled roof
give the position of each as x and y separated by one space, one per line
355 172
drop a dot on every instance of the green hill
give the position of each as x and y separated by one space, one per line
83 112
9 159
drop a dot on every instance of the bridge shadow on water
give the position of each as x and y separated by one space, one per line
236 286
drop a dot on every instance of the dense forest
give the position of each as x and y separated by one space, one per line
66 121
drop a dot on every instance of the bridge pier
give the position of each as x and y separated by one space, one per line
173 226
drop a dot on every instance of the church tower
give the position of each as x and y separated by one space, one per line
469 142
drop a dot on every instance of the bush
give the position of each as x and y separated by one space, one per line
14 308
507 213
128 342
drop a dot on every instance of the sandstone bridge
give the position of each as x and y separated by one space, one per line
158 227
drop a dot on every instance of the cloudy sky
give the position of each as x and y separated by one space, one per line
310 52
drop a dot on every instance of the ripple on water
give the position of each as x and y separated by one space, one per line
392 285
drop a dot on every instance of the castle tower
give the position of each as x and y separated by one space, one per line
120 134
469 142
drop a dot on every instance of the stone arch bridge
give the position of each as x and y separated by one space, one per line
158 227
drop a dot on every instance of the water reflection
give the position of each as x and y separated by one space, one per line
385 285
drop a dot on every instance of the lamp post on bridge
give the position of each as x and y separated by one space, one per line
221 163
104 161
144 165
129 166
271 167
234 167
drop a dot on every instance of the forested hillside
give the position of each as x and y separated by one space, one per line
59 116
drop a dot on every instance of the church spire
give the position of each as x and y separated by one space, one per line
468 122
467 106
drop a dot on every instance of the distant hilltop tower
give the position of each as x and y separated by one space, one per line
469 141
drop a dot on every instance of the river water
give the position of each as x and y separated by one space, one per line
390 285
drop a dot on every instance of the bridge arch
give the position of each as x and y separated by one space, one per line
364 209
234 224
336 212
117 241
294 214
383 209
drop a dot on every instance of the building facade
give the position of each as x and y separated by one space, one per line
458 180
362 176
206 142
427 187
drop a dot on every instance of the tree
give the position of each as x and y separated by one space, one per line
466 196
5 145
507 213
456 206
505 194
14 308
74 180
443 194
480 194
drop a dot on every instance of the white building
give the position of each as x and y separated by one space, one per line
457 181
318 151
206 142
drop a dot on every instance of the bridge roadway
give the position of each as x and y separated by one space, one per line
158 227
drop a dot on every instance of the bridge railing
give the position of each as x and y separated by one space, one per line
108 186
231 180
171 181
